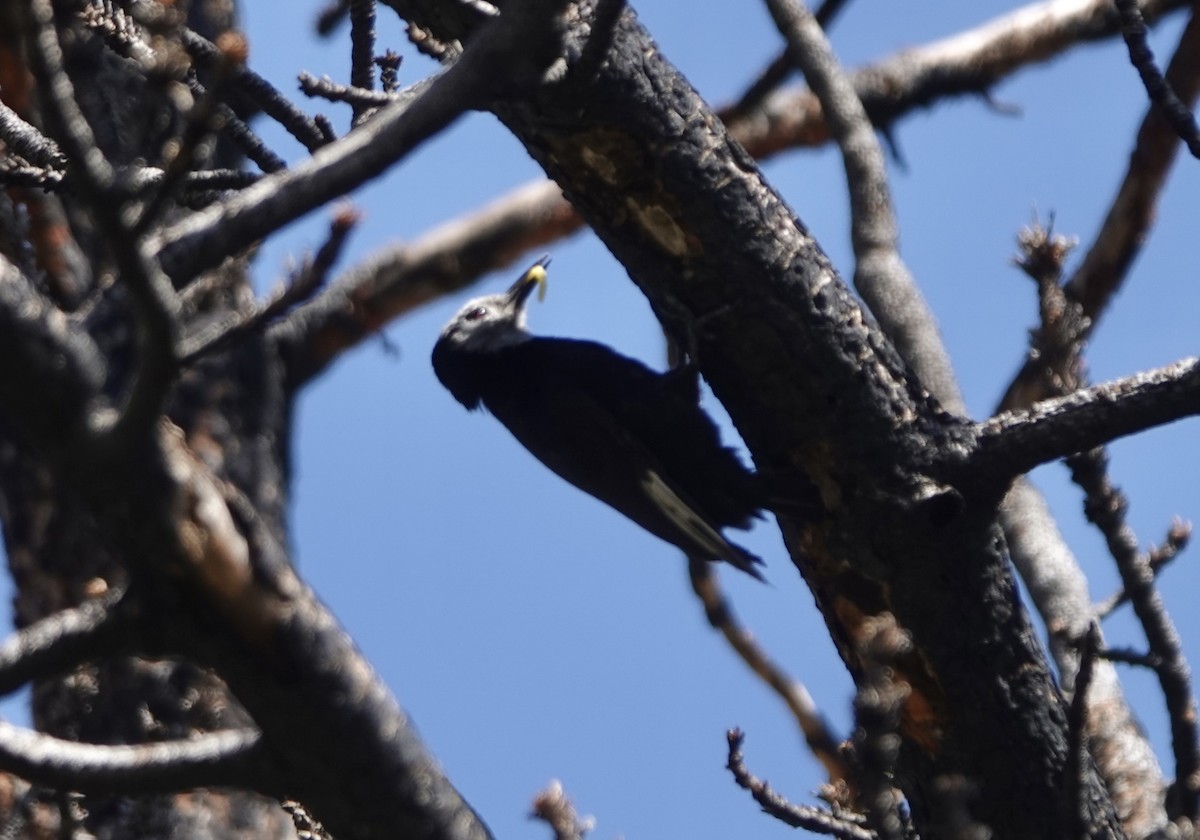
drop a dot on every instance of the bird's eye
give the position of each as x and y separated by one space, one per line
476 313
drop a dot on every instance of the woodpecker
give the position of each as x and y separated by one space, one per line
633 438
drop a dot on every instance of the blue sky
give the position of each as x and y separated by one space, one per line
531 632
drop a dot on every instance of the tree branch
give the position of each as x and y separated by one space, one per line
369 295
880 275
304 284
1015 442
967 63
845 826
261 92
820 740
1176 112
24 139
362 52
1105 506
200 241
1127 224
1157 558
780 67
1052 574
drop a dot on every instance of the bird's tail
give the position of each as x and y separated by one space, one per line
740 558
706 541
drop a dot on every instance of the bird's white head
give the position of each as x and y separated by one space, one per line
496 321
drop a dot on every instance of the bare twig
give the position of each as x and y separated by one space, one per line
389 70
240 134
793 693
1105 506
1133 28
199 122
28 142
1052 574
553 807
358 97
362 52
232 757
302 286
1128 656
274 104
844 825
127 39
1060 339
1157 558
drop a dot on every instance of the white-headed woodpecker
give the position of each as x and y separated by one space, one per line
633 438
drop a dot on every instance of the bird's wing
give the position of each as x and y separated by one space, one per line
590 416
663 411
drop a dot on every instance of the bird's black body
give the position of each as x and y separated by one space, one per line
633 438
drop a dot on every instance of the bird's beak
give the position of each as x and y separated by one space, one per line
534 278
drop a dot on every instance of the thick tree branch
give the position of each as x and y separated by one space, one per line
230 758
1015 442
